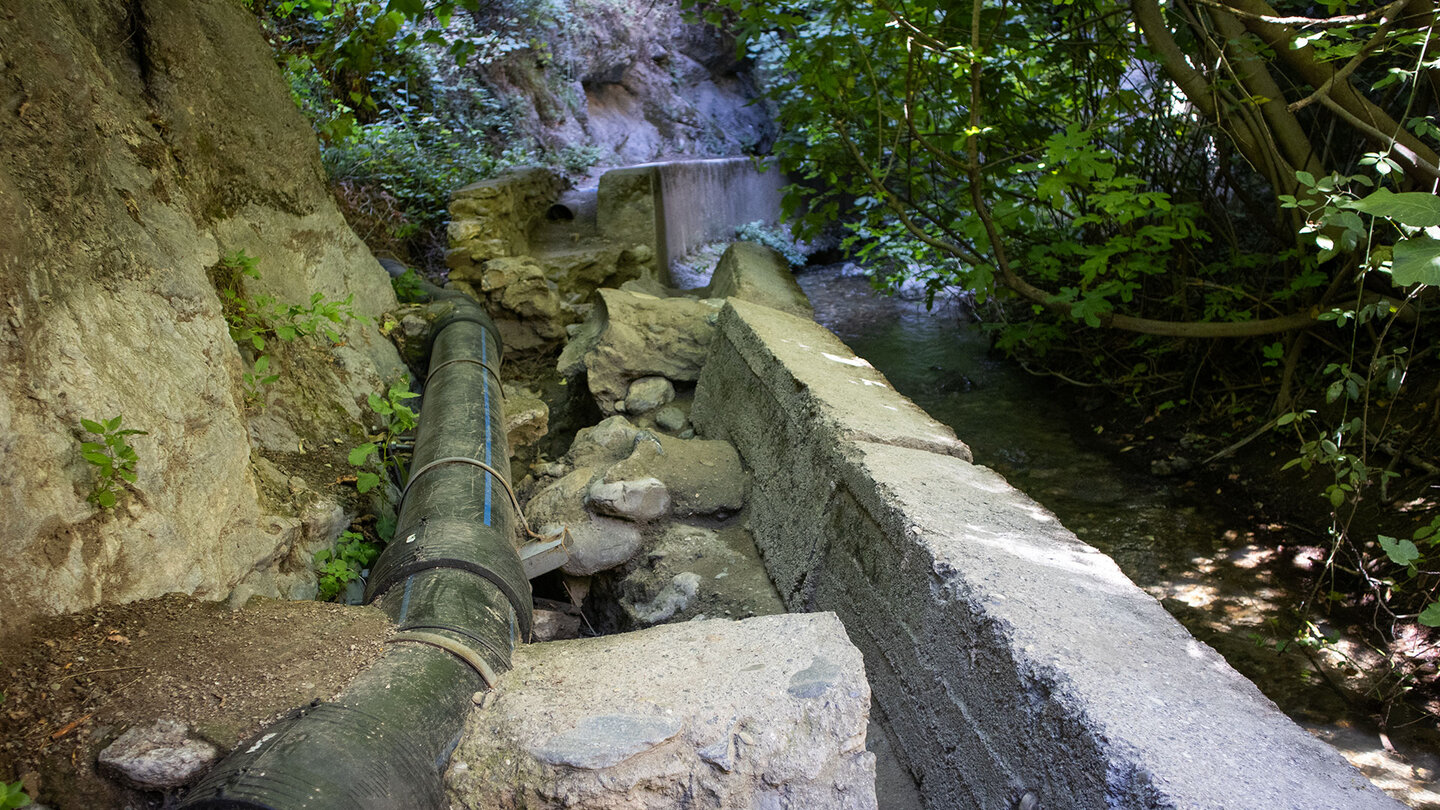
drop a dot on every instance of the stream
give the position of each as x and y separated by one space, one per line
1214 570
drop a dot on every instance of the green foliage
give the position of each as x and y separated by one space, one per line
396 419
13 795
407 286
419 164
401 124
252 321
256 379
343 564
112 457
775 238
1040 156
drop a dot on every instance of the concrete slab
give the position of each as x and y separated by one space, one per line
820 383
770 712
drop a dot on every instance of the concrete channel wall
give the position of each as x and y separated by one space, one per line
677 206
1005 654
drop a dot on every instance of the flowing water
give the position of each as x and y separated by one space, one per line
1215 570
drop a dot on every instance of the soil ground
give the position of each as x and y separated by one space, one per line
78 681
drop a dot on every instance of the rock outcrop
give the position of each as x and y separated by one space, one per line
633 79
629 336
140 144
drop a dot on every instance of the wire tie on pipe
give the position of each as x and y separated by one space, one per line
453 647
474 462
494 375
487 646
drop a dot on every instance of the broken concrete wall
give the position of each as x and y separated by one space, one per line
1006 654
677 206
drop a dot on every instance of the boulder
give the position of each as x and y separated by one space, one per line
526 305
598 543
527 417
648 393
632 335
765 713
675 597
671 418
562 501
703 477
604 444
639 501
719 572
553 625
758 274
164 756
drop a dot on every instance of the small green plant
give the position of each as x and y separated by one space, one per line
253 320
256 379
775 238
407 286
343 564
397 418
112 457
13 795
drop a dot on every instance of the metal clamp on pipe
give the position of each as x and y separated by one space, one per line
453 647
486 551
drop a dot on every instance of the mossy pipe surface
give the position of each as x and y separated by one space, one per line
453 582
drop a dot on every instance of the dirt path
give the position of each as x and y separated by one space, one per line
80 680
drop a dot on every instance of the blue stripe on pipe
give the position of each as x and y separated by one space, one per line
485 342
405 601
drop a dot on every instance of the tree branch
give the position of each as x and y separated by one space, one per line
1374 122
1343 74
1304 22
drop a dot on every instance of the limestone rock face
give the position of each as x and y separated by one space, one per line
532 278
638 82
765 713
493 217
133 162
632 335
760 275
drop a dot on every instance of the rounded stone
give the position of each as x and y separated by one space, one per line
648 393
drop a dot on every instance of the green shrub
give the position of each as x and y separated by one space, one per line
343 564
397 418
13 795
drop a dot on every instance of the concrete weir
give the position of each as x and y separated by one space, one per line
677 206
1007 655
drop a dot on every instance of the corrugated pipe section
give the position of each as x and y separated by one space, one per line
453 582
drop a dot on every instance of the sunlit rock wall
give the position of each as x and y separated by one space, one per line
139 143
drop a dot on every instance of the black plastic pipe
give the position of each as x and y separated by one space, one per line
452 581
